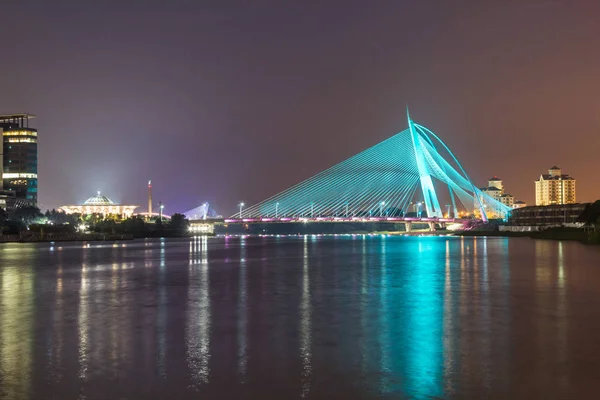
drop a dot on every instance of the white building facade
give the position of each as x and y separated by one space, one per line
100 205
555 188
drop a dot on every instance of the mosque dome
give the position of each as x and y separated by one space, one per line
98 200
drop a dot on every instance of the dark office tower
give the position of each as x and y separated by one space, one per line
19 143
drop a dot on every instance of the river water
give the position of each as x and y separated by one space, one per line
348 317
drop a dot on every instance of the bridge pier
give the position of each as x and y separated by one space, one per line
408 226
431 226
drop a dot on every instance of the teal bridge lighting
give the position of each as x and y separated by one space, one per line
394 177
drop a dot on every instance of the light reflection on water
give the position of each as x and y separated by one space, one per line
198 320
300 317
16 325
242 317
305 323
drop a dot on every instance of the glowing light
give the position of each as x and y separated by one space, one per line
202 228
22 140
19 133
11 175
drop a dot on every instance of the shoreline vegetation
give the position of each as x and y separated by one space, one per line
579 235
28 224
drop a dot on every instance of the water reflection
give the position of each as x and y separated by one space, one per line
424 322
364 291
161 315
449 321
551 296
83 323
562 314
56 345
385 344
314 317
485 318
242 317
198 314
16 323
305 324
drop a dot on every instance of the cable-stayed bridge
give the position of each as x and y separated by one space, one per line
413 175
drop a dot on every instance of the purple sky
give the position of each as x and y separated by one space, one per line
223 101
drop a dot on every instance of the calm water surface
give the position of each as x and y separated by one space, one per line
364 317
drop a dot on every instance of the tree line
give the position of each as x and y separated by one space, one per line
31 219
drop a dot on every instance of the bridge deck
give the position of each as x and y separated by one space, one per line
342 219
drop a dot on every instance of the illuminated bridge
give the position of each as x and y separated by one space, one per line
412 176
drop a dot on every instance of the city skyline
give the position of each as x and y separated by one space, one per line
213 114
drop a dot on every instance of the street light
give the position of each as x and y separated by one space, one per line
161 208
448 205
419 209
381 208
241 205
276 209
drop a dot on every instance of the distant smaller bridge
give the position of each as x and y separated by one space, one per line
203 212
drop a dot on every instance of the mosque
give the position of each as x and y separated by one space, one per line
100 204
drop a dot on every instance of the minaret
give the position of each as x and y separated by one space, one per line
149 198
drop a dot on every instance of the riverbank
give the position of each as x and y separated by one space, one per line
63 238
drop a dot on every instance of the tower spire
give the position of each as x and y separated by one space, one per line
407 114
149 198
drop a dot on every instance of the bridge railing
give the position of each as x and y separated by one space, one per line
340 219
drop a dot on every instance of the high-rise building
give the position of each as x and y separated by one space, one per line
495 189
554 188
19 164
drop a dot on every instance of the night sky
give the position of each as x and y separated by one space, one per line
223 101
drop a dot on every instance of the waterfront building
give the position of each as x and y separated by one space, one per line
19 157
547 216
100 204
555 188
519 204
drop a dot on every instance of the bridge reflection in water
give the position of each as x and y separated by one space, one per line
349 316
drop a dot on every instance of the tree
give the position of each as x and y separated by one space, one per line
61 217
179 223
27 215
591 216
93 219
135 226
